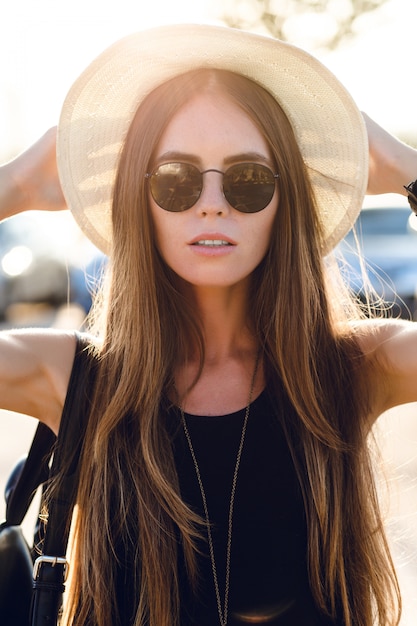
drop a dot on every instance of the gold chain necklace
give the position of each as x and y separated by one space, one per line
222 611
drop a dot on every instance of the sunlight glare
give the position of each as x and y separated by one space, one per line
17 260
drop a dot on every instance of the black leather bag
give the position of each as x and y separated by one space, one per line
16 558
15 577
15 566
32 581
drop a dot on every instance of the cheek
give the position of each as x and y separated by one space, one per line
162 242
165 235
159 226
259 241
265 231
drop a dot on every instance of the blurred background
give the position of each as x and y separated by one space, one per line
46 264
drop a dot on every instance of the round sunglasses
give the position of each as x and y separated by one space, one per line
247 187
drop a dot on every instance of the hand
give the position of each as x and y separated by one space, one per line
30 181
392 164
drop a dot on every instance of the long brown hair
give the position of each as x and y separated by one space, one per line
129 493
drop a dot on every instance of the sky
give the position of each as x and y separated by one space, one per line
45 44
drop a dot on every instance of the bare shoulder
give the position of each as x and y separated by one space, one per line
391 346
35 366
390 339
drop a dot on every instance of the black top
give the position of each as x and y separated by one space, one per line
268 573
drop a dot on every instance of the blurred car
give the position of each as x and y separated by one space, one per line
386 231
42 256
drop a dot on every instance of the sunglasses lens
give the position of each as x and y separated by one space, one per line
249 187
176 186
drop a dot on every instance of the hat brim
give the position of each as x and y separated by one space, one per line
102 102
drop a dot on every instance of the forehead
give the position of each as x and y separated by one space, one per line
212 123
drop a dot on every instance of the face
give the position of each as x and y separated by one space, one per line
212 244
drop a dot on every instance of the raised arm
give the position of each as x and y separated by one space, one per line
30 181
35 366
391 350
391 345
392 163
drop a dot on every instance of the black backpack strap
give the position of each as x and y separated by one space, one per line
51 567
34 472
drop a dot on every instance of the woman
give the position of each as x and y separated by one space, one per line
226 476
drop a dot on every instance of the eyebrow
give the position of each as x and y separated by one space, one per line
243 157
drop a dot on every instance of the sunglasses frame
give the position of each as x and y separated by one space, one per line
150 175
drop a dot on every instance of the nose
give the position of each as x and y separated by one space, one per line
212 200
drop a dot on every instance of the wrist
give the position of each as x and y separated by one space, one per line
7 193
411 190
12 197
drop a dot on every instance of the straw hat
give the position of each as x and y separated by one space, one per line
100 106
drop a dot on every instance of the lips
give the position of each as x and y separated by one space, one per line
212 240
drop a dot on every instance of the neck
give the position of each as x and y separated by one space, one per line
224 316
230 353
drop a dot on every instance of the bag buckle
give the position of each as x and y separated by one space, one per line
51 560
